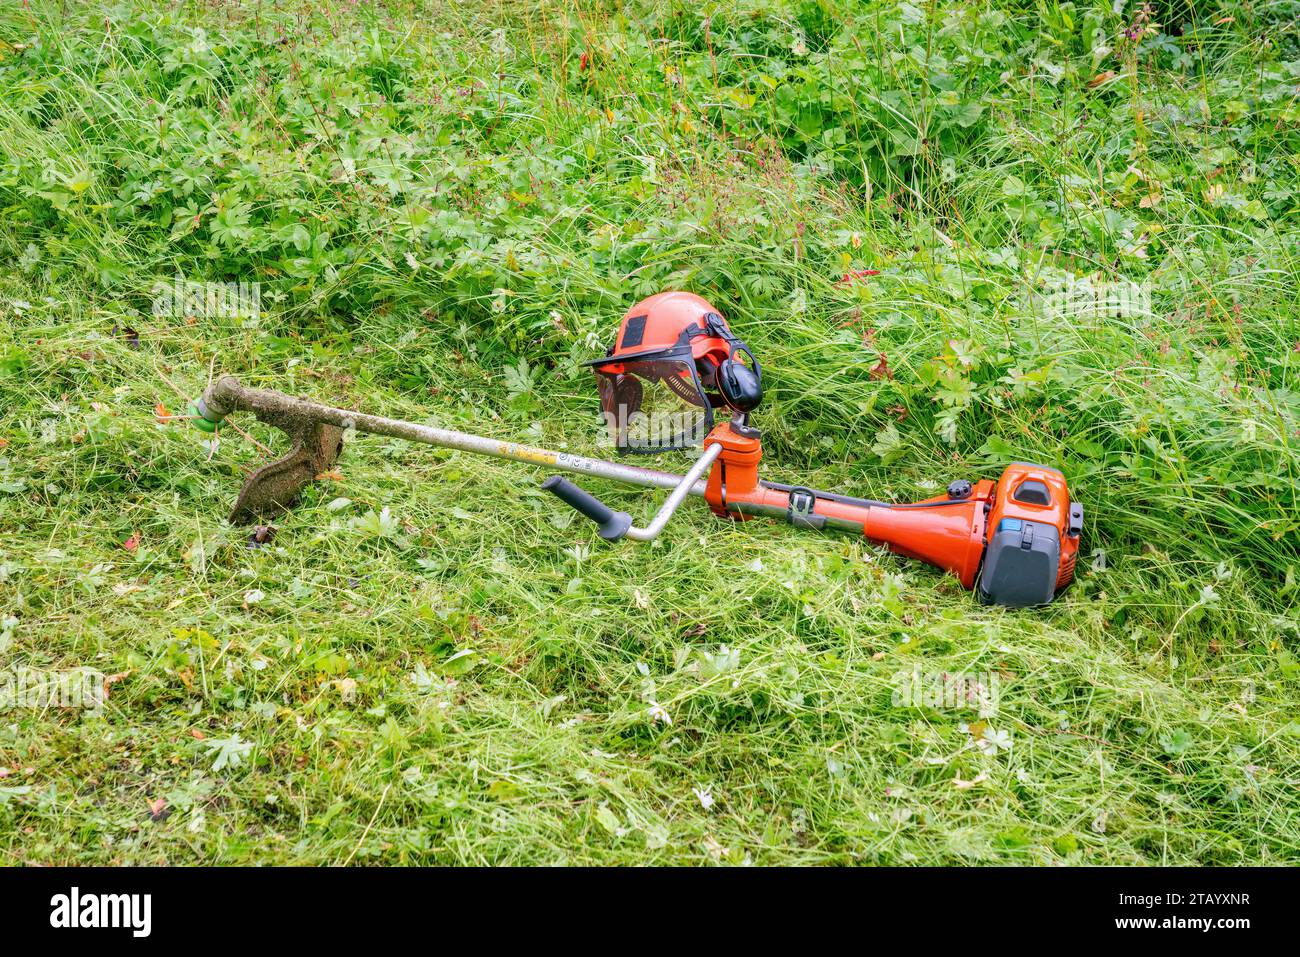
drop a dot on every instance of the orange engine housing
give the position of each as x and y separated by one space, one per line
1035 527
1057 511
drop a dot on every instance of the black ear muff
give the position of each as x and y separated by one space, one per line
740 385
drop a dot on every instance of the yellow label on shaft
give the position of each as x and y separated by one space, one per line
524 452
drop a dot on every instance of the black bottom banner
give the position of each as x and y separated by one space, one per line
337 906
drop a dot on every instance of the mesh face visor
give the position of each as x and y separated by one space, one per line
655 403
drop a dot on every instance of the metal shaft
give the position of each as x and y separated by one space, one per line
227 395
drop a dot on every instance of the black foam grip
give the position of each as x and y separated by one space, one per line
612 524
584 502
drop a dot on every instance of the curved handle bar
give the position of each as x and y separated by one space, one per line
614 525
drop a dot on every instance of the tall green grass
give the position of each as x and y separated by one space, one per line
448 209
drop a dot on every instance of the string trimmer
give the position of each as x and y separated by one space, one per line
675 361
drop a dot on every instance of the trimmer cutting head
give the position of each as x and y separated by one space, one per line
314 448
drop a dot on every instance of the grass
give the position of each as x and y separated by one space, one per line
447 209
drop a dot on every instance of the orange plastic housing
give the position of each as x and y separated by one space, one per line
949 533
1057 513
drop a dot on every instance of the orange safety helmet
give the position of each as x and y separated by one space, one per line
673 361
